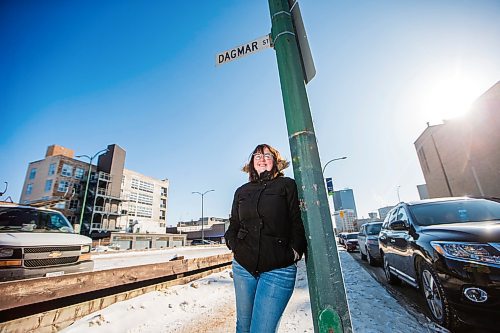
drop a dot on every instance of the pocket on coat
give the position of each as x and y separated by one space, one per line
277 251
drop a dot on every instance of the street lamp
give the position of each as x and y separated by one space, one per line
397 188
323 172
202 230
330 161
87 183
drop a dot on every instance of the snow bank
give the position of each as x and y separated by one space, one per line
207 305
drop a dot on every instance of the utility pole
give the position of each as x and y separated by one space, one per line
326 286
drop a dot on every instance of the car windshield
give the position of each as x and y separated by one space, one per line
373 229
18 219
458 211
352 236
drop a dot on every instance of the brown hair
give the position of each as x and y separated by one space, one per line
279 164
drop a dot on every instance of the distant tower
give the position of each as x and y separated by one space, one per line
344 199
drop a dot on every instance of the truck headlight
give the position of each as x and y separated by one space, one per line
85 248
6 252
478 252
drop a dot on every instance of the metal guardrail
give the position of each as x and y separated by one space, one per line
37 304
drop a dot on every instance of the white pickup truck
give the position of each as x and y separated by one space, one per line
37 242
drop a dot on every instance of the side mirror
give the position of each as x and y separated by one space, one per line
398 225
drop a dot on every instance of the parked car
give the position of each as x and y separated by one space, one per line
36 242
450 249
368 242
351 241
341 236
202 242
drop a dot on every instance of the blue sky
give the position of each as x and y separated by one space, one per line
85 74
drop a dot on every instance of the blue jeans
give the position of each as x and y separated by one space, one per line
261 300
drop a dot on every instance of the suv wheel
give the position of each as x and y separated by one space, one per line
435 297
370 258
391 278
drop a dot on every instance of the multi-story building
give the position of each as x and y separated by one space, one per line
345 220
383 211
144 203
462 155
422 191
344 199
56 181
59 181
213 228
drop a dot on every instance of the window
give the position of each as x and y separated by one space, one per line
373 229
142 185
141 198
144 212
48 185
456 211
29 188
63 186
33 173
52 169
402 215
73 204
67 170
60 205
421 154
79 172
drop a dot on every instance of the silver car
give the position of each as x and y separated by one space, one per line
36 242
368 242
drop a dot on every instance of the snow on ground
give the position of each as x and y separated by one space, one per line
118 259
207 305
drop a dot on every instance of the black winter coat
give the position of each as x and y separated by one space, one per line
265 225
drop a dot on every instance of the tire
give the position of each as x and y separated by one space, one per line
363 256
391 278
371 261
437 302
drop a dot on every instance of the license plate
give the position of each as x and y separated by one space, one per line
52 274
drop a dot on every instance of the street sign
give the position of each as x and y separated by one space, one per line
243 50
308 69
329 186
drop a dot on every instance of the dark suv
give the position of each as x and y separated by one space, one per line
450 249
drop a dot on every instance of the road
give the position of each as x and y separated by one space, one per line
110 260
409 297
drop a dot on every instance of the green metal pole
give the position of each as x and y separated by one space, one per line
326 286
87 184
85 194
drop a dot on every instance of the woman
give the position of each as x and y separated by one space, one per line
267 238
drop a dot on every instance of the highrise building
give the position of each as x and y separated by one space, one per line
344 199
462 155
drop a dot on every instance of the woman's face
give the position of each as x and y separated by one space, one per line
263 161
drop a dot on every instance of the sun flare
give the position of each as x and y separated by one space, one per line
448 98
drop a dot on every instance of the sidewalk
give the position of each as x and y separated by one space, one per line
207 305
